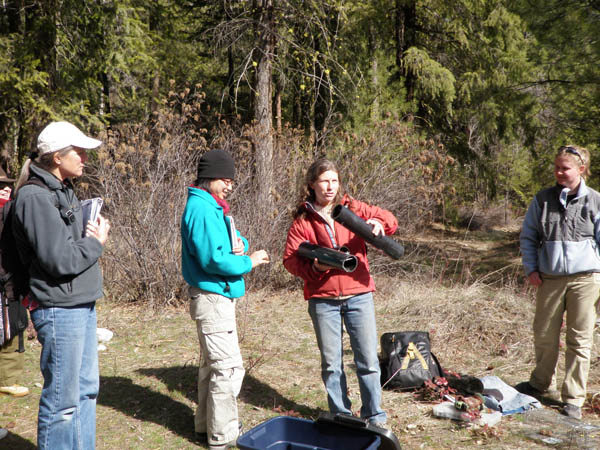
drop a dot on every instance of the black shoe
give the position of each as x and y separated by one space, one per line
527 389
551 396
201 438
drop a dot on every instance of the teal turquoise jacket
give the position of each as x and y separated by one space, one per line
207 259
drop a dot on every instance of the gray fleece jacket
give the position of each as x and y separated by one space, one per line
560 237
48 228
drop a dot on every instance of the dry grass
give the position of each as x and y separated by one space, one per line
148 373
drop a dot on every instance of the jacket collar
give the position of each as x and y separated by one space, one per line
582 191
49 180
204 195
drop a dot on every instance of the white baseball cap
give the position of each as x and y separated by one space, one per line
59 135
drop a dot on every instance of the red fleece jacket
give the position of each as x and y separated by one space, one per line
334 282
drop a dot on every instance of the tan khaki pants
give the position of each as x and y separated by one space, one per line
577 296
11 363
221 370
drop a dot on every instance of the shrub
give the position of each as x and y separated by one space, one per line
143 170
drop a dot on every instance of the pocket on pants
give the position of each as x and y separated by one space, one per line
39 317
221 341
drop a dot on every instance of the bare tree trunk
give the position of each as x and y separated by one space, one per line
278 108
263 109
405 34
277 99
155 92
312 128
52 56
374 78
230 77
105 107
375 85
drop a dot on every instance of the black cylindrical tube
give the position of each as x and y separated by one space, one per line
328 256
354 223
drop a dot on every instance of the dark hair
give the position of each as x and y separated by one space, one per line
315 170
203 183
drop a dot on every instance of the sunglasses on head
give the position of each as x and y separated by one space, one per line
573 151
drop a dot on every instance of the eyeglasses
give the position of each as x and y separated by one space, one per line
573 151
227 181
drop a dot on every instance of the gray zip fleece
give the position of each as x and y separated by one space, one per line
63 265
559 238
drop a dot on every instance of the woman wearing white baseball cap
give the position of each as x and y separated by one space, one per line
64 283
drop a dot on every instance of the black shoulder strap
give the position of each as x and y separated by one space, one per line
38 182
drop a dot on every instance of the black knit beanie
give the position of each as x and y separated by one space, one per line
216 164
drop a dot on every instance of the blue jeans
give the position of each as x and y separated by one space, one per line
358 315
69 364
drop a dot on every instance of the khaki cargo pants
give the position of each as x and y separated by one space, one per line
11 363
577 296
221 370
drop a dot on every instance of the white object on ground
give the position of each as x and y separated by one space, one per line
104 334
448 411
101 347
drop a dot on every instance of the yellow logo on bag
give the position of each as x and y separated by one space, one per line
412 352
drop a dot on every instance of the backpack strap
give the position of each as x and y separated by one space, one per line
21 341
67 214
37 182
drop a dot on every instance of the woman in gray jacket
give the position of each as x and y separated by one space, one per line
560 243
65 281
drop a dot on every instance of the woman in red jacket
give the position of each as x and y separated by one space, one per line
335 297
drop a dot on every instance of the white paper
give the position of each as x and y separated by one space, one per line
232 232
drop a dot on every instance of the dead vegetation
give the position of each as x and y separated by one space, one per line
464 288
462 285
148 373
144 169
149 370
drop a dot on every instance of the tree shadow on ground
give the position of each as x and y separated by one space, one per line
144 404
254 391
16 442
183 379
259 394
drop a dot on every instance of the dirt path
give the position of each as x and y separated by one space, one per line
491 257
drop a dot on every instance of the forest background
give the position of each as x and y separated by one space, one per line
436 110
447 113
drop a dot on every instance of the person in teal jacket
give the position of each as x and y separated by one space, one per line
214 260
